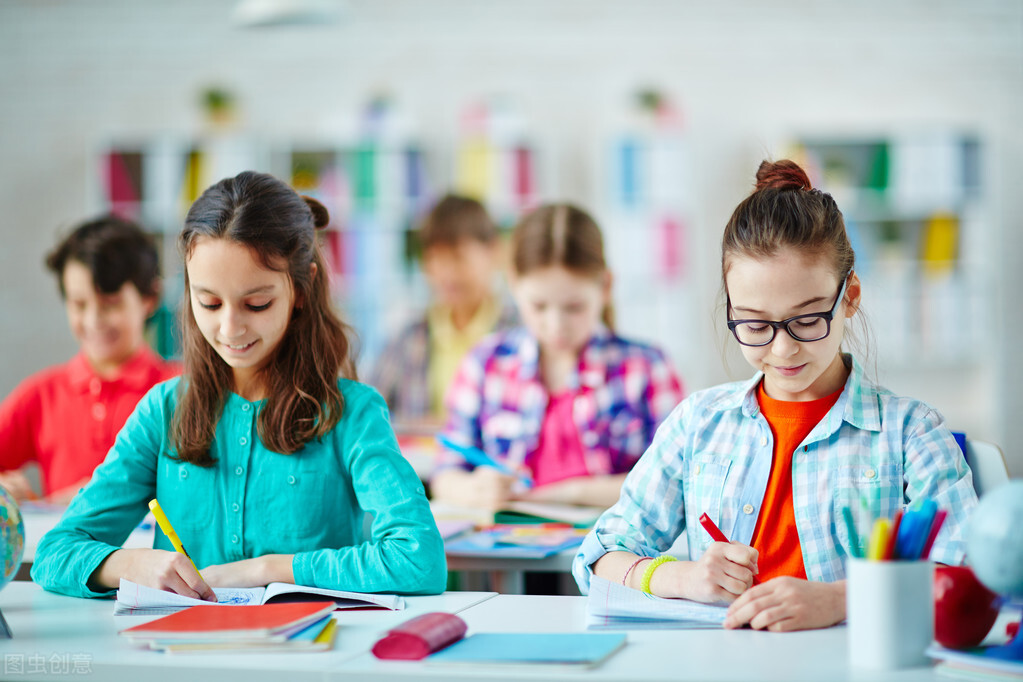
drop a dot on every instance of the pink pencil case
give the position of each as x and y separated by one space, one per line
419 637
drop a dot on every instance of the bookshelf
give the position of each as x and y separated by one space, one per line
914 209
376 190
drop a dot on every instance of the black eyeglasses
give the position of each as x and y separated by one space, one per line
809 327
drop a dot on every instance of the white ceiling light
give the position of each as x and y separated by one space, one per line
286 12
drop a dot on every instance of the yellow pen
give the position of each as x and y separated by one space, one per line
878 539
168 530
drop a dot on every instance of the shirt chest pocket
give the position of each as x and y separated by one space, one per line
704 487
867 489
298 500
188 496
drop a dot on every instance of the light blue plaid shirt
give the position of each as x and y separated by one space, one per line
713 454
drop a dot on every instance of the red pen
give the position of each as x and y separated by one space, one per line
889 550
716 534
939 519
712 529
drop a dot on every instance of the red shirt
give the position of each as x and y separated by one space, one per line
66 417
775 536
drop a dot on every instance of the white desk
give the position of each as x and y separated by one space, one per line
52 629
59 635
678 655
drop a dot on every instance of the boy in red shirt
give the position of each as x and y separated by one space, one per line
65 418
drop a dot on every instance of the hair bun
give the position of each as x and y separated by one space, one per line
321 217
784 174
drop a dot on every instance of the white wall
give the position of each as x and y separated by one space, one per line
75 74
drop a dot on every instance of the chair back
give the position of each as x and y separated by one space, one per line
988 465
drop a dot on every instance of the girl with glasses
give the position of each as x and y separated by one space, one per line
776 460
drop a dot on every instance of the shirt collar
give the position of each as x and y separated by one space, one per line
859 403
591 371
135 373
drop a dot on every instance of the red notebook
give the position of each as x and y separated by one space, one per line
220 621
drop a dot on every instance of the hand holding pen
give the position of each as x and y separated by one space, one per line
728 568
478 458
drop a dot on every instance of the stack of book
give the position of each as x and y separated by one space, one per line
301 626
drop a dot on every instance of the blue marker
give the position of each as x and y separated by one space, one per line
478 458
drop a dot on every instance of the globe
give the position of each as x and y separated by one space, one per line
994 547
12 534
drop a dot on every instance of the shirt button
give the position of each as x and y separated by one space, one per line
243 441
696 470
95 386
747 509
246 407
184 474
239 471
291 480
870 473
235 507
99 411
763 440
234 539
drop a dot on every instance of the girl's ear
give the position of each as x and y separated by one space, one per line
853 291
606 280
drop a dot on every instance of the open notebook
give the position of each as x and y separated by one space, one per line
613 606
133 599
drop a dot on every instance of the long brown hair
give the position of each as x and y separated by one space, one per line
303 402
560 235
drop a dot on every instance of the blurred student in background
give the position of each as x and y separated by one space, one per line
460 259
563 399
65 418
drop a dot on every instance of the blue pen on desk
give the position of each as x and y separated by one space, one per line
477 458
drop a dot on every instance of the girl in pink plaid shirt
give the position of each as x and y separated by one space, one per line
562 402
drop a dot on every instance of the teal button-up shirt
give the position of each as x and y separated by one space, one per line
349 507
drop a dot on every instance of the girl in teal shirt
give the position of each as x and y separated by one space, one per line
269 466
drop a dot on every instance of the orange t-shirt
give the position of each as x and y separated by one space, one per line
775 536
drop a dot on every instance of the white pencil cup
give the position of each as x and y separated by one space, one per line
890 612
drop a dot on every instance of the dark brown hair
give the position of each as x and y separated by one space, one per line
115 251
303 400
455 219
560 235
784 210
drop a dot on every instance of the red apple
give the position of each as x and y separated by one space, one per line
964 610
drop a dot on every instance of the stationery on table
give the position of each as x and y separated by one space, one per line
614 606
477 458
133 599
908 536
168 530
534 541
538 651
973 664
440 639
304 626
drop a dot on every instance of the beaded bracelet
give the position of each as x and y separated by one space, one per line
635 563
649 572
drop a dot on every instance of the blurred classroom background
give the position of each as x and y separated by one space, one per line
651 114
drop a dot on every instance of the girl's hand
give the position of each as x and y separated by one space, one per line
785 604
255 572
724 572
489 489
158 568
569 491
17 485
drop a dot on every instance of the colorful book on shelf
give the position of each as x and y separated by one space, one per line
218 626
533 650
517 541
133 599
616 607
